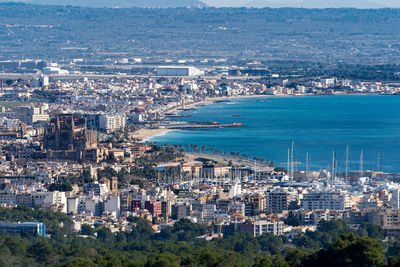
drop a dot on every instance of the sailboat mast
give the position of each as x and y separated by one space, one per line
333 167
288 161
378 167
306 165
347 162
291 160
361 162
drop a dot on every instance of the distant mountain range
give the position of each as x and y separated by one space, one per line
118 3
363 4
315 4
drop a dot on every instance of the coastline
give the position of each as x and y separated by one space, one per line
211 100
145 134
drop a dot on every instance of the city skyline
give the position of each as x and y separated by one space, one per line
168 133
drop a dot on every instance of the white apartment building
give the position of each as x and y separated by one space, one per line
326 200
258 228
112 204
110 123
56 198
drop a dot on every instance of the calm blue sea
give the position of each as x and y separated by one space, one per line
318 125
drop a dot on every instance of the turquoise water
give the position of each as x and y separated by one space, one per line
318 125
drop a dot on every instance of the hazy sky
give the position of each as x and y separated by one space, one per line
337 3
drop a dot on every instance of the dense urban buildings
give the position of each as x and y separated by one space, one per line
79 174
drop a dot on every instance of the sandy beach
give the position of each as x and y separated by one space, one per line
144 134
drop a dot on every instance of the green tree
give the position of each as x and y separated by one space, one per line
293 220
164 260
294 257
349 250
211 258
43 252
394 261
372 230
105 235
263 262
87 229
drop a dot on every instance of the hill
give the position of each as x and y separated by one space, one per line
121 3
323 35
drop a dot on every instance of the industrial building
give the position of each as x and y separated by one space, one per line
18 228
178 71
54 71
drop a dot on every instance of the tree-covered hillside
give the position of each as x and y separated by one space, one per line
333 244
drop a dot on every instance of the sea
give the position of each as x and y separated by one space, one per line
317 125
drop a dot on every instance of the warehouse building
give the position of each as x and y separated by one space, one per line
178 71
